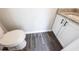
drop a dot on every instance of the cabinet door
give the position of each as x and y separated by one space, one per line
57 24
68 33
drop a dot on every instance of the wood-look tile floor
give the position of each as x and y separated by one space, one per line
45 41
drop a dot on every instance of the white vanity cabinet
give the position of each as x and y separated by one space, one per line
59 20
68 32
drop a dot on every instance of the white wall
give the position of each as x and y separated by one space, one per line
28 19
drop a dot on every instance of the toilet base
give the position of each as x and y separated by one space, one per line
19 46
5 49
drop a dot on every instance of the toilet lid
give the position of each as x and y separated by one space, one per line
13 37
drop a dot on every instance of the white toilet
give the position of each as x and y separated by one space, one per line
14 40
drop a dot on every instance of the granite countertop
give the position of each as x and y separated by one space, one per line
73 16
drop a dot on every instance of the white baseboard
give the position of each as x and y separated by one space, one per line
38 31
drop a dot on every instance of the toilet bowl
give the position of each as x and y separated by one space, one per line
14 40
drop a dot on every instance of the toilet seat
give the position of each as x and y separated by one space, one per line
12 38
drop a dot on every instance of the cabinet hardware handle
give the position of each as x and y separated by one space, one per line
62 21
65 23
